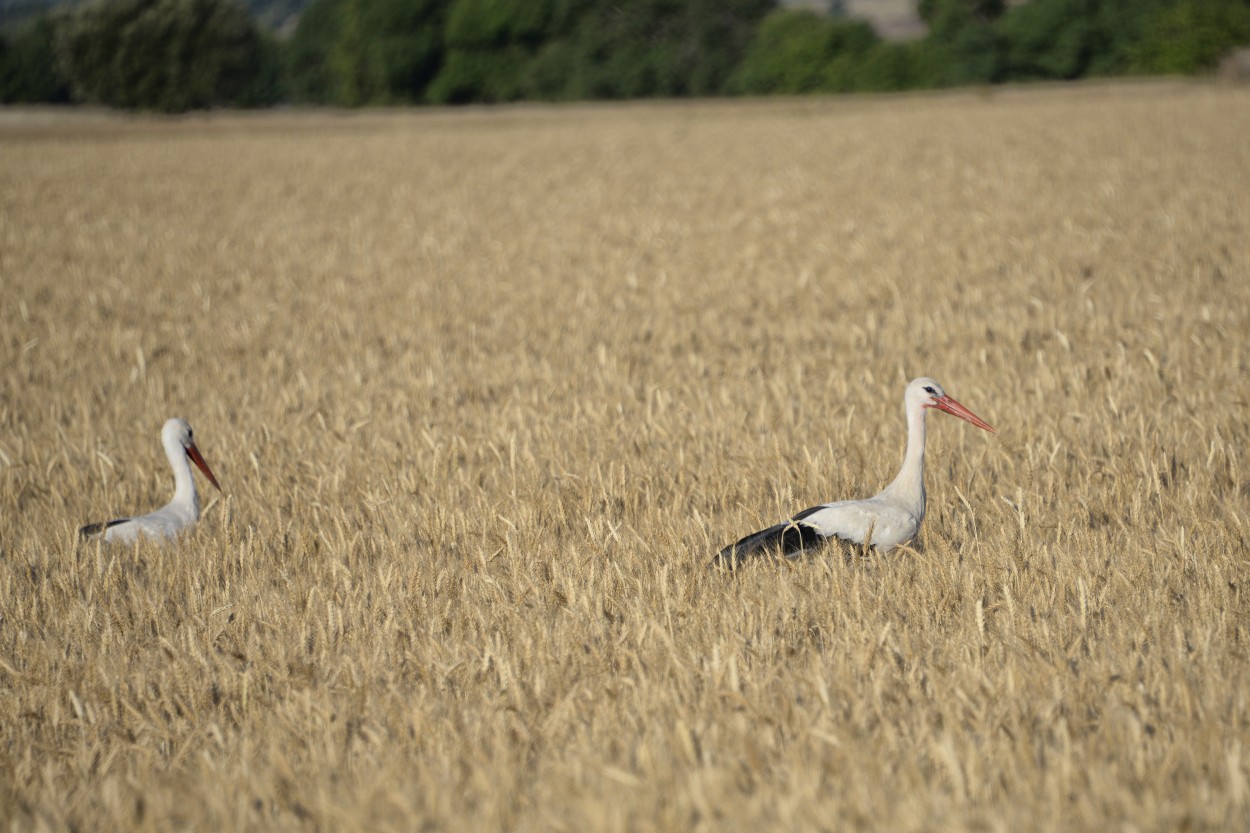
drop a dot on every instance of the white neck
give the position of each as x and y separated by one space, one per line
907 490
186 498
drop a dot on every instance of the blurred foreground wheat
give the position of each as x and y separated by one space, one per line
486 389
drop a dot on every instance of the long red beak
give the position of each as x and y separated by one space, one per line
945 403
194 454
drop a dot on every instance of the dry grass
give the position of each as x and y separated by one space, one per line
487 388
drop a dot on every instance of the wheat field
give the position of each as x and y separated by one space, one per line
485 390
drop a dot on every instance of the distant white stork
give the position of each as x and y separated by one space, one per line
180 513
886 520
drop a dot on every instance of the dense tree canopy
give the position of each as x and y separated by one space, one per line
179 54
1191 36
28 70
801 51
169 55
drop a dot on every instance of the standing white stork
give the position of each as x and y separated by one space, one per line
181 512
886 520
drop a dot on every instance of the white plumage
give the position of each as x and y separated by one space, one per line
181 512
885 520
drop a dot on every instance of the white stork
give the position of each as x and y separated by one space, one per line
885 520
180 513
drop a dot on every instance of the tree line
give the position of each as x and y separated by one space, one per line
177 55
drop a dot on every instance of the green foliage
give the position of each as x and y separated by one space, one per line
660 47
1120 26
353 52
1191 36
790 54
407 44
1050 39
358 76
305 57
487 24
28 70
565 49
490 44
487 75
889 67
947 17
178 54
963 46
552 73
168 55
267 87
801 51
973 55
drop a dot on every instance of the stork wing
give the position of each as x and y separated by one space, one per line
788 538
91 530
874 521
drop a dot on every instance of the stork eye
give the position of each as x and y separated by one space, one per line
929 390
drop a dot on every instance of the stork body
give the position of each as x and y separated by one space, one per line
885 520
181 512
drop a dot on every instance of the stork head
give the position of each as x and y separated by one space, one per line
927 393
178 436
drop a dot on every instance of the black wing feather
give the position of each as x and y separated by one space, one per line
788 538
95 529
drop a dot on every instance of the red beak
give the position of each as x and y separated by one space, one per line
945 403
194 454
